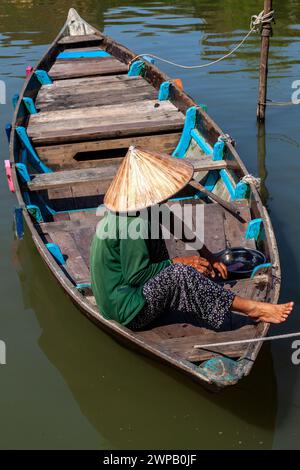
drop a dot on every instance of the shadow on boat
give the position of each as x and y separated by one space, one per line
135 402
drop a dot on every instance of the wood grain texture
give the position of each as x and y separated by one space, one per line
90 95
75 265
62 156
103 173
72 68
59 179
140 118
72 40
184 347
101 82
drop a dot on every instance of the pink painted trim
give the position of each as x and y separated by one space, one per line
10 182
29 69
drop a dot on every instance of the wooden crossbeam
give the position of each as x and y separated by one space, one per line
103 174
99 122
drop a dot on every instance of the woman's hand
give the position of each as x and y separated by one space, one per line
220 268
197 262
204 266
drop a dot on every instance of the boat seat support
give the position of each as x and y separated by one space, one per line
35 212
104 174
201 142
218 151
242 191
254 229
260 269
164 91
185 139
43 77
56 253
30 106
23 172
137 68
34 158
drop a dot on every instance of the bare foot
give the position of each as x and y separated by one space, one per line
270 313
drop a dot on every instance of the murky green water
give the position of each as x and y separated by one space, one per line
68 385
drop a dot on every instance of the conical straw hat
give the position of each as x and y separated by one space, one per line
146 178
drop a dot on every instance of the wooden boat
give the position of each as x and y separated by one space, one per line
81 107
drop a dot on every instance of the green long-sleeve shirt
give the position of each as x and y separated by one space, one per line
120 266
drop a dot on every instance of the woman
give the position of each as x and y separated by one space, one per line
133 287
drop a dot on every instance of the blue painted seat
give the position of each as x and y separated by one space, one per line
83 54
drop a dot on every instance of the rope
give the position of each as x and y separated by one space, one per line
227 139
256 24
258 21
250 179
243 341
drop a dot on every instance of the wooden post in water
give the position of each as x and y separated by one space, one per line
263 69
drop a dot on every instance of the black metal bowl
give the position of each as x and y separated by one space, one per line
240 261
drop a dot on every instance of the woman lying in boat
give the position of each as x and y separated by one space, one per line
133 289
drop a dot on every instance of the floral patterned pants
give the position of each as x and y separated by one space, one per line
182 288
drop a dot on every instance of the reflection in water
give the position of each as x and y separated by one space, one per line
261 161
135 402
210 19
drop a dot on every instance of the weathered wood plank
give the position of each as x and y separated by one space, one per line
66 40
104 175
183 347
77 222
62 156
83 239
256 288
102 85
102 81
64 68
60 179
45 135
91 97
122 112
145 117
